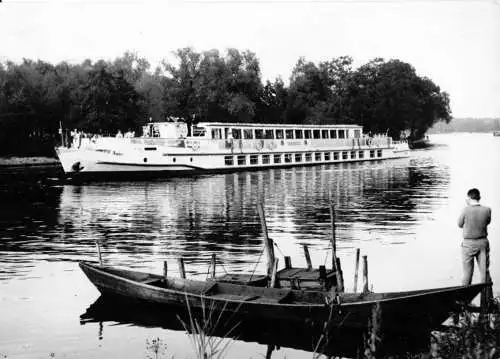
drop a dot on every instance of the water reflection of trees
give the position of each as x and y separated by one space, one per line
28 220
27 210
197 216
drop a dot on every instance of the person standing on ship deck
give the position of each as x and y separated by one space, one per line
230 140
474 220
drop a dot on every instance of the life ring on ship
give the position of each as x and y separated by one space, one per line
77 167
195 146
259 145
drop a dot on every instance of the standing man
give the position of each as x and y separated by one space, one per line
474 220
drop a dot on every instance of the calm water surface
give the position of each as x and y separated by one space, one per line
401 214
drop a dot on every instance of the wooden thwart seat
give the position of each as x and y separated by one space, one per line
306 279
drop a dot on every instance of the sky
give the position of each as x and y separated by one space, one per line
456 43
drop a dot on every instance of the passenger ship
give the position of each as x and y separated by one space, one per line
165 148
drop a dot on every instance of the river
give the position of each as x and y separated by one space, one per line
400 213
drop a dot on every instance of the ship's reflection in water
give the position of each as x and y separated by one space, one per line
195 217
219 329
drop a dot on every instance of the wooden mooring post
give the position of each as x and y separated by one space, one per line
308 257
182 270
356 269
340 277
335 260
365 274
269 352
334 237
274 274
212 266
486 297
268 242
322 273
288 262
165 270
99 256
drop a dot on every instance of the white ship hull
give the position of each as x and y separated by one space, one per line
156 156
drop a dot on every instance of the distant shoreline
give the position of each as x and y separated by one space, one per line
467 125
18 161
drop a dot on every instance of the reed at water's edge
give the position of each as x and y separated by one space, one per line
465 335
468 335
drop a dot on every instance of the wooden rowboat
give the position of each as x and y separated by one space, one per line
423 309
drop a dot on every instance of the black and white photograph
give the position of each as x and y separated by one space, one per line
211 179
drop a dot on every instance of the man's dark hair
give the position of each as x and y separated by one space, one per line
474 194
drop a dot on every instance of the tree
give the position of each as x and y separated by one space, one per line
109 101
150 89
180 97
243 84
309 93
317 91
273 102
389 97
209 87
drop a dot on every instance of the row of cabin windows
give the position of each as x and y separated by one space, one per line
270 134
241 160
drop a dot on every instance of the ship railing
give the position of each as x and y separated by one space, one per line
401 145
162 142
112 142
245 145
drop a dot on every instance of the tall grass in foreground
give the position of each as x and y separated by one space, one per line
201 331
156 349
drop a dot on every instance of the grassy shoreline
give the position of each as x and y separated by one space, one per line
16 161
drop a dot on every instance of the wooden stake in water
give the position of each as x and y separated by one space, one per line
334 239
340 277
356 269
212 266
308 257
365 274
486 294
335 260
269 352
268 242
165 270
274 274
322 273
98 252
182 270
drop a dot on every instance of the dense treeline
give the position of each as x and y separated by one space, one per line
36 97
